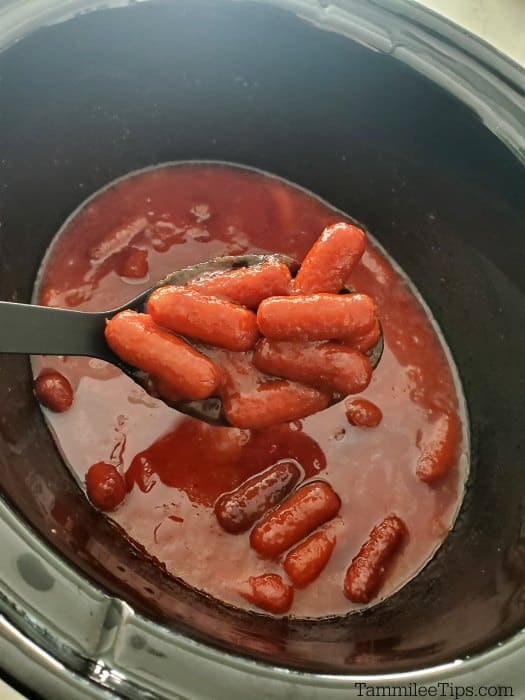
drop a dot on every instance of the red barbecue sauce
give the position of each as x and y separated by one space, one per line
175 467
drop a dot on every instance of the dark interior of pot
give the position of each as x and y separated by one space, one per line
91 99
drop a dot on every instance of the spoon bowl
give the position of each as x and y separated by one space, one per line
43 330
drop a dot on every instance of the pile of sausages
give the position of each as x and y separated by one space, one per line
273 348
287 521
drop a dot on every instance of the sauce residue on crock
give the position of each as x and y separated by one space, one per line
176 467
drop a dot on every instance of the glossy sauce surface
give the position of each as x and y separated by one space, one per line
175 467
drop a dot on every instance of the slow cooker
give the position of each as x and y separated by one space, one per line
391 114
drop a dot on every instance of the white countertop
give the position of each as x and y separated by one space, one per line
499 22
7 693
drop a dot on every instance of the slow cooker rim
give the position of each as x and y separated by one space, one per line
58 649
408 25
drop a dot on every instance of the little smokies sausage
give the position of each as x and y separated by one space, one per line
307 508
438 456
327 366
367 341
316 317
269 592
331 259
105 486
205 318
365 574
238 510
304 563
248 285
252 400
272 402
138 341
363 413
53 391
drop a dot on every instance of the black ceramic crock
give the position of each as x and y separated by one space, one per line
295 89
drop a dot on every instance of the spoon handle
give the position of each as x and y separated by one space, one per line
41 330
